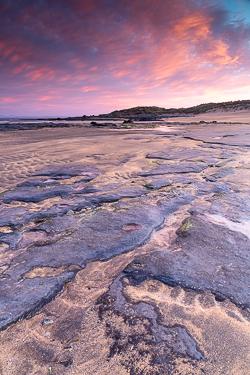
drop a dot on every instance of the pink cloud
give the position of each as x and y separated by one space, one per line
9 100
44 98
79 54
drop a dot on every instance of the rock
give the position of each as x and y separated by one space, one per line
70 212
199 258
223 172
172 154
103 234
37 190
69 172
185 285
175 168
23 300
208 188
103 124
157 184
153 338
129 121
38 182
47 321
36 196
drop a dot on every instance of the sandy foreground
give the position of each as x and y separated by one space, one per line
125 251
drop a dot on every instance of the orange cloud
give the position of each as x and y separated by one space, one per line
196 25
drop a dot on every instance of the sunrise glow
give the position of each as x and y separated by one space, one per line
67 58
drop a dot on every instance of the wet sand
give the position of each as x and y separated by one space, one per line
125 252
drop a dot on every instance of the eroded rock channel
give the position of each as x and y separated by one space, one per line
131 260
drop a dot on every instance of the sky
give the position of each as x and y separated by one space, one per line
76 57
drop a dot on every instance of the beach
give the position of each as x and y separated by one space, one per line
126 251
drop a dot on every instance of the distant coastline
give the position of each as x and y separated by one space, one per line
145 113
210 113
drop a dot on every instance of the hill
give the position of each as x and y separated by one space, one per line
232 106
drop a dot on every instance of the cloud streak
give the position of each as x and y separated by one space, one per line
79 57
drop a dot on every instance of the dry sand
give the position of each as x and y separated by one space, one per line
234 117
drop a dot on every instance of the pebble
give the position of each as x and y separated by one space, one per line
47 321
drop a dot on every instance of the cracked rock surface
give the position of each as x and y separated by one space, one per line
126 259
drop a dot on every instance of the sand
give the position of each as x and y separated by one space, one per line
220 117
131 280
